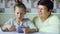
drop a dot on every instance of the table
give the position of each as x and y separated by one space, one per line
23 33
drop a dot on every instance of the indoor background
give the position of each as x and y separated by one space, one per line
7 9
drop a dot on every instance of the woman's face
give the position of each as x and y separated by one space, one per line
19 12
42 10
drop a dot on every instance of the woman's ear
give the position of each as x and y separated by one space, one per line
50 10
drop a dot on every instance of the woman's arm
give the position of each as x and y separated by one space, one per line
28 30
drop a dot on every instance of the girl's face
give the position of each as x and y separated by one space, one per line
19 12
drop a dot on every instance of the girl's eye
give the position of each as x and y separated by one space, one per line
17 12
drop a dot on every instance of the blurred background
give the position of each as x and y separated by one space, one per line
7 9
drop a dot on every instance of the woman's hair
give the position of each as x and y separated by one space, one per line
47 3
19 4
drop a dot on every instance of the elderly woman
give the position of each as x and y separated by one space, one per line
45 21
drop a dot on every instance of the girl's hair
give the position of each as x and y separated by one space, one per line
19 4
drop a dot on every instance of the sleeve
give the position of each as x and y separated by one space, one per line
8 22
6 25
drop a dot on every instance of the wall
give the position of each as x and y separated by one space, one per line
6 17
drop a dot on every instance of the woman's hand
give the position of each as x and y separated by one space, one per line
28 30
25 30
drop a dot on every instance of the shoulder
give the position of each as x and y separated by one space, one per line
26 19
9 21
35 18
55 17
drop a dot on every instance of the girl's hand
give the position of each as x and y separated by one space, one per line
6 27
12 28
9 27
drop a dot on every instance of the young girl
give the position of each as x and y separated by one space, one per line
19 23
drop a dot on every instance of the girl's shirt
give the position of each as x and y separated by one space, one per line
25 22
